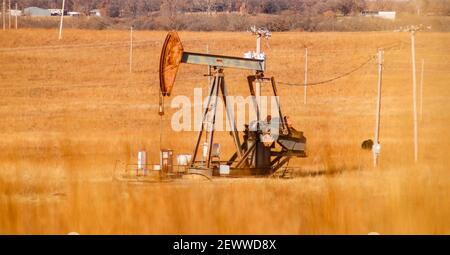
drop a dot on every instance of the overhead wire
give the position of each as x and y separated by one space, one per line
124 43
390 46
331 79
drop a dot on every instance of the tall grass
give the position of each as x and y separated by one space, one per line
69 114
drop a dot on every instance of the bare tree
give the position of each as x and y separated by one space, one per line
347 7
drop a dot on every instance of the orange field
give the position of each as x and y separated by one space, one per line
72 114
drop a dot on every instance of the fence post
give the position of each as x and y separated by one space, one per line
131 49
306 75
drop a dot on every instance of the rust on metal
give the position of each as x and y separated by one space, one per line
171 55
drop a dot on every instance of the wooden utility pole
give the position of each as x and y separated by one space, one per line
131 49
4 15
376 146
414 87
421 89
9 14
16 14
61 22
306 74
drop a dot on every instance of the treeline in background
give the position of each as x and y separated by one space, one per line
238 15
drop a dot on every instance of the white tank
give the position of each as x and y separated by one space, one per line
142 160
205 151
183 159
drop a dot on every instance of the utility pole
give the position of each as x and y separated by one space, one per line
16 15
414 87
61 22
259 34
421 89
376 146
9 14
4 15
306 74
131 49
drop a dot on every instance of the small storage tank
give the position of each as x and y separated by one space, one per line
166 160
184 159
215 151
205 151
142 161
224 169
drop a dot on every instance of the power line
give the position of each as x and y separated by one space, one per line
386 47
390 46
329 80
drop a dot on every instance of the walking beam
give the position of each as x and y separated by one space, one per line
222 61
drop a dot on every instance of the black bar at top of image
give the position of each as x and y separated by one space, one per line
274 244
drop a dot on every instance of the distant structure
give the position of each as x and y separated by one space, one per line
55 12
391 15
40 12
74 14
36 12
95 12
15 13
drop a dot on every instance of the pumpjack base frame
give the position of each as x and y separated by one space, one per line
234 172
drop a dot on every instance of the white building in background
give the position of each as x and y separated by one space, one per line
74 14
55 12
387 15
36 12
15 13
391 15
95 12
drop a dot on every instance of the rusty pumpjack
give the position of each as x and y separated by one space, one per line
258 153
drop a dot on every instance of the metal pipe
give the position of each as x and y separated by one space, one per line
231 119
210 140
413 53
212 87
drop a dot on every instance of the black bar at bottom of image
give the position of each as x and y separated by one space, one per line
223 244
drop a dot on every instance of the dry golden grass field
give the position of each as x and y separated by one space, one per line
71 113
